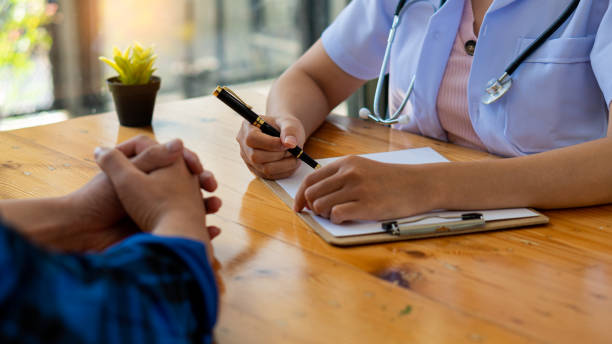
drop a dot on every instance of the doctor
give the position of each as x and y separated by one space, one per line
552 124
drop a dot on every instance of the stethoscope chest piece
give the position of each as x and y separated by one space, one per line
496 89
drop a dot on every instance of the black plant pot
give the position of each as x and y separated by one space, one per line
134 103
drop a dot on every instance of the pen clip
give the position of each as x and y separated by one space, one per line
227 89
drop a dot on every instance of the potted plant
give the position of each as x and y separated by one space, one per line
135 88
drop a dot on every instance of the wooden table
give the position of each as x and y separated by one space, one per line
283 284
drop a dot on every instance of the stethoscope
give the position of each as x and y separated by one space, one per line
496 88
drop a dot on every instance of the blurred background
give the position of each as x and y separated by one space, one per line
49 49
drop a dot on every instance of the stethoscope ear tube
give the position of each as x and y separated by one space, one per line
394 118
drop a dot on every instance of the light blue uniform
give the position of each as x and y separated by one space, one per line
560 94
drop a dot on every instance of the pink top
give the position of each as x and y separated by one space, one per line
452 102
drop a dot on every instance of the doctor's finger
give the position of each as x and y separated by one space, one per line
281 168
321 189
324 204
256 169
254 138
249 164
272 170
292 131
348 211
311 179
282 175
259 156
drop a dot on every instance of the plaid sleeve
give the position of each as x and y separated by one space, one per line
146 289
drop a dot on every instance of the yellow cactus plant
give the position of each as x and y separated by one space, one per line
134 65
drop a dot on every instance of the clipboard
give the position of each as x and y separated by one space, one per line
377 238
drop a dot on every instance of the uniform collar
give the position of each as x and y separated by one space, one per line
497 4
437 45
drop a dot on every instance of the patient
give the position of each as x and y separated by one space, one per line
124 259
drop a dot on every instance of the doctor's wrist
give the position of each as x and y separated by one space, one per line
433 179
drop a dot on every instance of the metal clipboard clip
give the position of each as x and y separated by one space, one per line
412 227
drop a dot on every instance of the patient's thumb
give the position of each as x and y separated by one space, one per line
114 164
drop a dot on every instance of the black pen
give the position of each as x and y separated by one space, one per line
243 109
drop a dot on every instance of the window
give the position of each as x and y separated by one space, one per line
49 50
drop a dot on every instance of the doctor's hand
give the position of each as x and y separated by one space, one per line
267 156
356 188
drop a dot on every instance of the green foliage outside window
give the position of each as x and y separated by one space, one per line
22 31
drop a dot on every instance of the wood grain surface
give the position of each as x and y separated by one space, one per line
281 283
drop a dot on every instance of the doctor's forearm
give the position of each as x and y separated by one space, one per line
296 94
311 88
579 175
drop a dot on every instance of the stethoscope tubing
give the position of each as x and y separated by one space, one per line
383 69
504 80
543 37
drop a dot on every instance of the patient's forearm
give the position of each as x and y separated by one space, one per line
188 228
44 220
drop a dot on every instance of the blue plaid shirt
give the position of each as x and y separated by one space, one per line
146 289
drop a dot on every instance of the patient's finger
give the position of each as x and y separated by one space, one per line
193 162
135 145
158 156
122 173
212 204
208 181
213 231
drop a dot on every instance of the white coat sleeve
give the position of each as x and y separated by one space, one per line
601 55
357 38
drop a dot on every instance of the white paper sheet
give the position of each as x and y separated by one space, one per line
408 156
